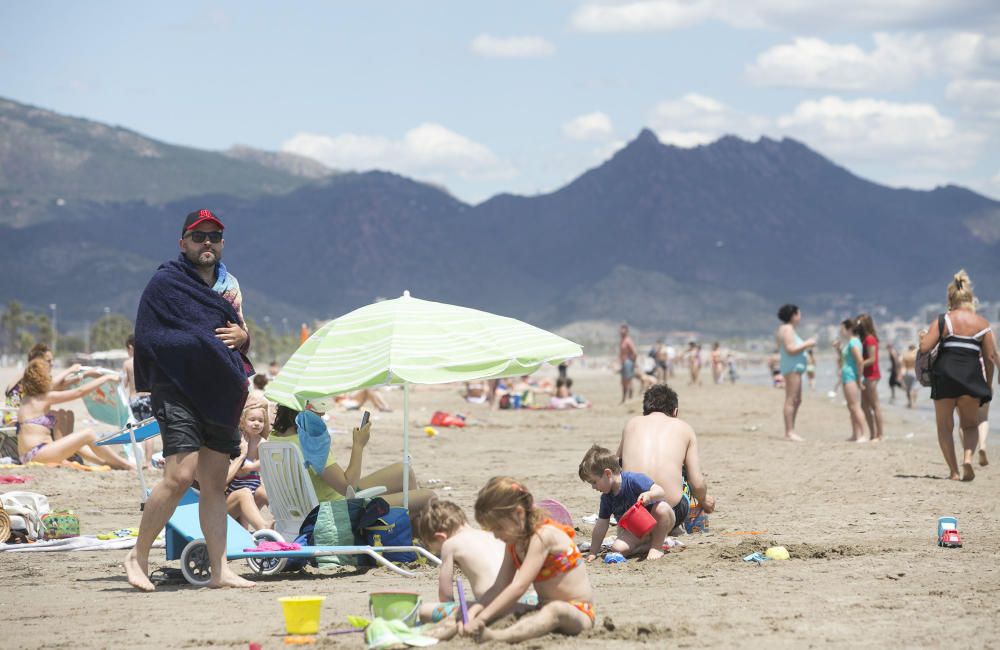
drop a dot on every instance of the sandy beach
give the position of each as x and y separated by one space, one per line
858 520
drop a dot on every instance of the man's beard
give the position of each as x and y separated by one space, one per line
205 258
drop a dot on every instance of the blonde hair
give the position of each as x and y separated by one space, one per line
960 291
498 500
37 379
254 404
438 517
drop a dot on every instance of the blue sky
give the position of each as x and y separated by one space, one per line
524 96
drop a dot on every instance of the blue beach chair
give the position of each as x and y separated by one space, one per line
186 543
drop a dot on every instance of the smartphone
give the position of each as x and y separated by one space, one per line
364 418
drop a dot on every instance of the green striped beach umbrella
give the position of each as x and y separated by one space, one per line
410 341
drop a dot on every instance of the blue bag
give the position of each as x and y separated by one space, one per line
392 529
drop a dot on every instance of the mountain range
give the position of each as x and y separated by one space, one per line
709 239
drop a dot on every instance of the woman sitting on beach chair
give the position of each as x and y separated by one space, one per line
65 420
35 422
333 481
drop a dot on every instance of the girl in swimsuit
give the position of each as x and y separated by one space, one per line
35 442
540 552
869 384
851 360
245 495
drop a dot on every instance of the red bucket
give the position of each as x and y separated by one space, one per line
637 521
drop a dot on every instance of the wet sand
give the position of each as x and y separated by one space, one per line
859 522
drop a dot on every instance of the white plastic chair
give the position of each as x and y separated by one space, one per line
290 492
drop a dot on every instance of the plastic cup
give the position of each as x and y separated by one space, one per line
301 613
637 521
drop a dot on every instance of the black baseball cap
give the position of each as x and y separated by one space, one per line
198 217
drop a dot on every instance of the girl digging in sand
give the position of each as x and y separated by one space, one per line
245 494
539 552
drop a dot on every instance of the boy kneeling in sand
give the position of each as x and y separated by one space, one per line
444 530
619 492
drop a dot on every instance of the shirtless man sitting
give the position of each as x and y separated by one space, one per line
662 446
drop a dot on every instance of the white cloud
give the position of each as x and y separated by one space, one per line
696 119
896 61
522 47
910 136
640 16
429 151
592 126
979 97
647 15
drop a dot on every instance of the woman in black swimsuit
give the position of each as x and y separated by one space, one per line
963 372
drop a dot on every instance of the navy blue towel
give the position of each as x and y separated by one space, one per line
175 341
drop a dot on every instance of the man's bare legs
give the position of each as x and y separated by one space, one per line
212 468
555 616
793 399
178 475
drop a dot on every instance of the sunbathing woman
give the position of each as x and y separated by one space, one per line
35 423
65 420
245 495
540 552
332 483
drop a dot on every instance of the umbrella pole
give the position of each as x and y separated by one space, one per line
406 445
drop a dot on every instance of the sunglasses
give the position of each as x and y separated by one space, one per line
199 236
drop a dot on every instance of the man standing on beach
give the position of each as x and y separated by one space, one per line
627 355
190 353
664 447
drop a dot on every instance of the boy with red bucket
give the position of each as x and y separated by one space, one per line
644 518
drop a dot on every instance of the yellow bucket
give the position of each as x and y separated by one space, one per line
301 613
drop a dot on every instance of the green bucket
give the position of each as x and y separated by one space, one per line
395 605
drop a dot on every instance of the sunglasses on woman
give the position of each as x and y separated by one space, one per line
199 237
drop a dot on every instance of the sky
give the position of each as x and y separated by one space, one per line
523 96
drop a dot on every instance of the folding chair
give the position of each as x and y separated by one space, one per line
290 492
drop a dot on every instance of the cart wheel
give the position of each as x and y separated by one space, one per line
267 566
194 563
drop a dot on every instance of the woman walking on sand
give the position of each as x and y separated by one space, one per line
871 375
792 363
963 372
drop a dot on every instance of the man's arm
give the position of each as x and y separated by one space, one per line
696 480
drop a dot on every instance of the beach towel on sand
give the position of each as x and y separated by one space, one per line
175 341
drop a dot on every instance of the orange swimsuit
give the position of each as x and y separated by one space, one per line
556 563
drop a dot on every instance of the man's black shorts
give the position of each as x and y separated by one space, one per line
183 429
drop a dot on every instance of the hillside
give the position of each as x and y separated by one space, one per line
48 159
711 238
